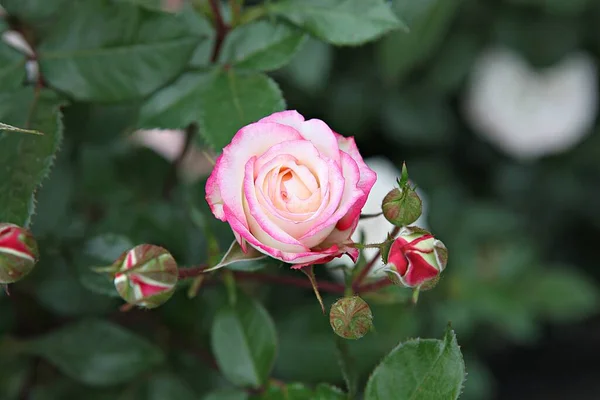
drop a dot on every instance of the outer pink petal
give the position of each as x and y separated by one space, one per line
315 130
307 257
366 182
225 183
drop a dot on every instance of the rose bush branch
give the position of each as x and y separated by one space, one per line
325 286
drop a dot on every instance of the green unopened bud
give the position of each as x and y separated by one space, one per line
18 253
351 317
402 207
147 276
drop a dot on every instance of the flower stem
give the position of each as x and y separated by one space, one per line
368 216
365 271
221 28
325 286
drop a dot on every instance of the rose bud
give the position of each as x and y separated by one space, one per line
351 317
147 277
18 252
402 207
416 258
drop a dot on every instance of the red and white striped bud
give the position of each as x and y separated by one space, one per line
147 276
18 252
416 258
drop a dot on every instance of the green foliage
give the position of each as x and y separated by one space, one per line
29 156
521 235
12 67
244 341
428 21
419 369
220 101
103 51
261 46
96 352
340 22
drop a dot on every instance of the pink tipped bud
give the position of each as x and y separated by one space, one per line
18 252
146 276
416 258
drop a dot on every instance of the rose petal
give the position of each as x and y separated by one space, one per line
225 183
314 130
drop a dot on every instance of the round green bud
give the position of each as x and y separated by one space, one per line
351 317
402 207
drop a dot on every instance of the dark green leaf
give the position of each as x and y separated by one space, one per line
328 392
428 21
244 342
26 158
167 386
419 369
312 76
298 391
562 295
235 100
340 22
262 45
221 102
179 104
97 352
33 10
14 371
226 394
111 52
58 289
12 67
102 250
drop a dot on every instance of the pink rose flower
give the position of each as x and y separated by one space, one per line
292 189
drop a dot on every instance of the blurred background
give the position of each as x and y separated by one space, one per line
492 104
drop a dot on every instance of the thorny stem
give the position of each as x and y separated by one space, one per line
221 28
325 286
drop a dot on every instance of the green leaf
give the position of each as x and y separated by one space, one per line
220 101
298 391
226 394
103 51
179 104
244 341
419 369
12 67
167 386
562 295
399 52
26 158
102 250
97 352
262 46
328 392
235 99
310 77
340 22
33 10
